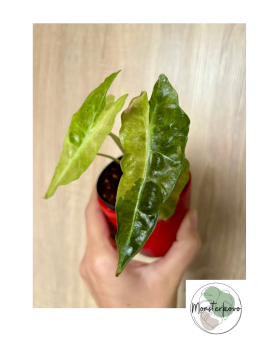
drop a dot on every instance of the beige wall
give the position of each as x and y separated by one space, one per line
206 64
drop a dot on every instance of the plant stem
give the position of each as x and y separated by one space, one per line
107 156
116 139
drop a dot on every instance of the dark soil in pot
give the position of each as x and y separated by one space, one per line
108 183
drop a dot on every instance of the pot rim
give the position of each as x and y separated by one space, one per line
112 207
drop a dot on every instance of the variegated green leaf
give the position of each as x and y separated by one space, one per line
167 208
109 101
154 136
88 129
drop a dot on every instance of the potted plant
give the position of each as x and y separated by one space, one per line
153 193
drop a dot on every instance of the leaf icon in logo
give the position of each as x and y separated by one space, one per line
223 301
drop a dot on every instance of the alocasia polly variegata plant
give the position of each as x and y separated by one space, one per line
153 137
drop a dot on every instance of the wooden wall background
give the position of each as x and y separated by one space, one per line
206 64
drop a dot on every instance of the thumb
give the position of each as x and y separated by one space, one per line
184 249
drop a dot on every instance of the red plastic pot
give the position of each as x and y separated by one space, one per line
164 233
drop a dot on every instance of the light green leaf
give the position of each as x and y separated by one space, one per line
167 208
109 101
116 139
88 129
154 136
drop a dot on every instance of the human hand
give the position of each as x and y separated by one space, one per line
140 285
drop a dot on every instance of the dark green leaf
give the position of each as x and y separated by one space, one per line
167 208
154 136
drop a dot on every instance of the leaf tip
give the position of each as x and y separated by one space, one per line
163 78
120 267
118 272
49 194
123 98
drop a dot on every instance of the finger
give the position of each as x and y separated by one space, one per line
97 226
136 264
183 250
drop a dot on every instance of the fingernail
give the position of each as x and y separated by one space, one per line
194 218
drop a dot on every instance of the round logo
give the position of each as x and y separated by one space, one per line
216 308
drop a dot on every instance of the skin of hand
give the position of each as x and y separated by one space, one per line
140 285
